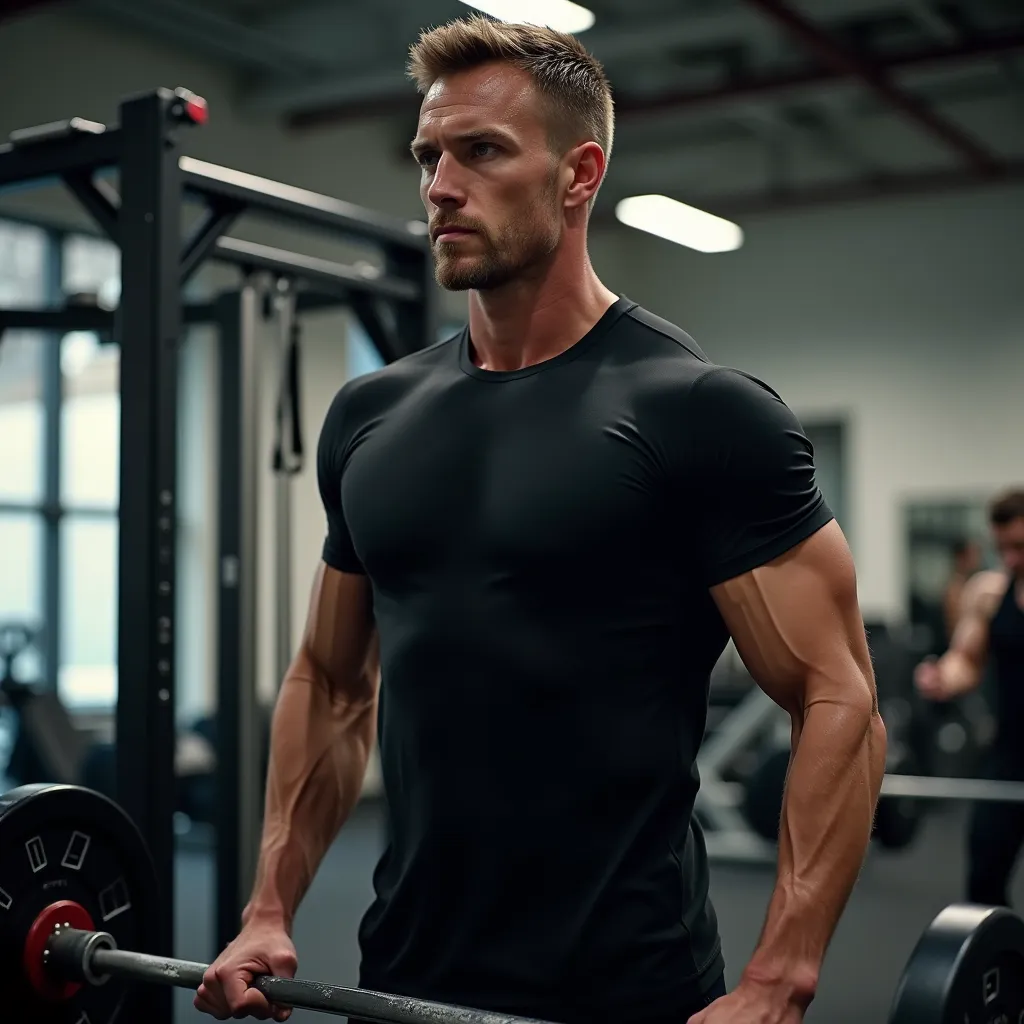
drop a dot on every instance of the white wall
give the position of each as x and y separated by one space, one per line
906 319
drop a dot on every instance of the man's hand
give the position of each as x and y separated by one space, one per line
260 948
928 680
750 1003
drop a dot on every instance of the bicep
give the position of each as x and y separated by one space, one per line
970 636
796 624
340 637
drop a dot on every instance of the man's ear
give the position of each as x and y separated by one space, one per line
587 163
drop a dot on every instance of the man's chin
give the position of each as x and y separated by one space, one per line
453 283
453 277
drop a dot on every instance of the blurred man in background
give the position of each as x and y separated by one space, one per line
990 624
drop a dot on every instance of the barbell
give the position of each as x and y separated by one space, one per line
899 811
72 863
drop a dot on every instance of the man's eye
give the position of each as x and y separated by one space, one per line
483 148
427 159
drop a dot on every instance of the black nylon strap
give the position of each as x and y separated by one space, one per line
288 420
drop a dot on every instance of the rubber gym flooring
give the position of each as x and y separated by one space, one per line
897 895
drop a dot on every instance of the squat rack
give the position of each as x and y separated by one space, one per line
396 304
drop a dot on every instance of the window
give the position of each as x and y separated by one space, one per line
21 592
21 418
23 280
60 421
92 266
90 424
88 614
361 353
90 441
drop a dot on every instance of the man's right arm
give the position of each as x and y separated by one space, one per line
962 667
321 738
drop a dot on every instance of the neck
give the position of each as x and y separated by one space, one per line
530 320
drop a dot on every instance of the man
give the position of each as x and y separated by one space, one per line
991 625
550 525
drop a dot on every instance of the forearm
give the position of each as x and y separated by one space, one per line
958 673
319 747
834 781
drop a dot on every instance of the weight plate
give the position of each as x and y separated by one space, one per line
762 803
967 968
62 843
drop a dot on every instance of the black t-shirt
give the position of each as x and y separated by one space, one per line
1006 646
540 545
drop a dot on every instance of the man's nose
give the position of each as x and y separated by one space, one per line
446 187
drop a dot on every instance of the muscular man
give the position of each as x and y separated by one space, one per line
991 625
550 524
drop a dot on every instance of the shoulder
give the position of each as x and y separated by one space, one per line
726 399
664 362
663 335
983 592
373 393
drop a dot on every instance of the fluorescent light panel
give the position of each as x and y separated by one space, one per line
685 225
557 14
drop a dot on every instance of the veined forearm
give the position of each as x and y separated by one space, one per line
834 781
319 748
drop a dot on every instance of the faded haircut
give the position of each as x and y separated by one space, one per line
1006 507
571 80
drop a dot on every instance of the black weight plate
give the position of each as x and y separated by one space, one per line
68 843
764 790
967 968
898 818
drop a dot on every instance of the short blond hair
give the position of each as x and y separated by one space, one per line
568 76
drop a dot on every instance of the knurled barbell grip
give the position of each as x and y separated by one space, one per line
72 955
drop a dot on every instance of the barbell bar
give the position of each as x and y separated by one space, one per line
93 957
926 787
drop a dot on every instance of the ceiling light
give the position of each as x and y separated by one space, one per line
679 223
557 14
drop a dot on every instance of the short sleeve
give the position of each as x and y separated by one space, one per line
756 495
338 551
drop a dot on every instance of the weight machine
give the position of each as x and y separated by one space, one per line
394 299
739 803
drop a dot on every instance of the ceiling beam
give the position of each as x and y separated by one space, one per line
797 85
12 8
932 21
874 76
212 33
815 125
623 41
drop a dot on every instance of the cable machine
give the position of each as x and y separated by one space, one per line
395 301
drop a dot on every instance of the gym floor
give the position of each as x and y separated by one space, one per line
897 896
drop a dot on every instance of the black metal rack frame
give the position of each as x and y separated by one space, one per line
143 218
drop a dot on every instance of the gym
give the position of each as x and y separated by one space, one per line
210 223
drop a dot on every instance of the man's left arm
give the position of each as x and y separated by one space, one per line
781 574
797 625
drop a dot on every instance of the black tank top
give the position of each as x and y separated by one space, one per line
1006 644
